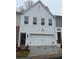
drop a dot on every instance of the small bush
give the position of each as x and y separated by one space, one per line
26 48
22 52
18 49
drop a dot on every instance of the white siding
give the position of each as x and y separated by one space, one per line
37 29
39 13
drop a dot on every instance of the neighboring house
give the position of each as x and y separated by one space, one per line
18 15
36 26
59 28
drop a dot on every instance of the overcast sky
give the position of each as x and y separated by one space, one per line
55 6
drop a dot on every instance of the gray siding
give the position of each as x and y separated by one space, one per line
58 21
17 34
18 19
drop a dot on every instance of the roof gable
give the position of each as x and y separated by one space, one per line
42 5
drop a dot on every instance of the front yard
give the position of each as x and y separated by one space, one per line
22 53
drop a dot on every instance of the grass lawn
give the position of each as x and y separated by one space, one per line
22 53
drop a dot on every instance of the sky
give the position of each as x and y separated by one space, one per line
55 6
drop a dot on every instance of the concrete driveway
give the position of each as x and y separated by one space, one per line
43 52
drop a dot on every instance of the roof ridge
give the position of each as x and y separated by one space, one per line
36 4
32 6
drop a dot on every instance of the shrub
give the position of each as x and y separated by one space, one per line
18 49
22 52
24 49
27 48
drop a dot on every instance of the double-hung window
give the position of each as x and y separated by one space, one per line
50 22
34 20
26 19
42 21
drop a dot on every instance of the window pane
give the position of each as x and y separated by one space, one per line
50 22
42 21
34 20
26 19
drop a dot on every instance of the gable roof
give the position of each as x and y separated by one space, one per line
42 5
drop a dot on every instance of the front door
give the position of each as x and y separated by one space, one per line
22 39
59 37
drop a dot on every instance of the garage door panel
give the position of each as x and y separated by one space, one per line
41 39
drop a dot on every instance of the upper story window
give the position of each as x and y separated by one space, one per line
50 22
34 20
42 21
26 19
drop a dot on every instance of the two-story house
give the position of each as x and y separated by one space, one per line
37 26
59 28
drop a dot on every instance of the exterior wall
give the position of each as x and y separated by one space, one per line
39 12
38 27
59 24
58 21
58 27
17 34
18 19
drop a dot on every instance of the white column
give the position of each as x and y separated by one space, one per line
55 31
19 40
19 31
26 40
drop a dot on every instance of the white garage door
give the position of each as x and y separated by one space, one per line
36 40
